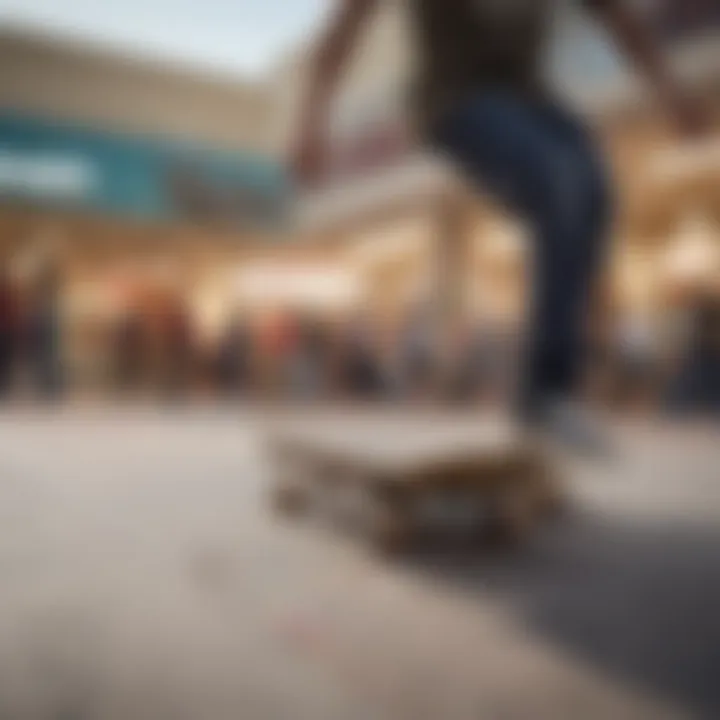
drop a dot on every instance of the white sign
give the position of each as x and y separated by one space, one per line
308 287
47 175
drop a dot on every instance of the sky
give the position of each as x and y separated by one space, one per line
236 37
242 37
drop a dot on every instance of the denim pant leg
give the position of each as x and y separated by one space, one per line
542 164
568 263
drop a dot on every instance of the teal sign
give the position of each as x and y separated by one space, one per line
45 163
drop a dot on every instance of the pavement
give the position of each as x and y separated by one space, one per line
143 578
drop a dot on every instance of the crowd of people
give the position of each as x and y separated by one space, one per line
299 356
637 364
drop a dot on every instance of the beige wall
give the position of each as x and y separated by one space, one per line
58 80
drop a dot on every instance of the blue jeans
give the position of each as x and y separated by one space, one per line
536 158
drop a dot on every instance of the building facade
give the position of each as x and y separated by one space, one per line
145 185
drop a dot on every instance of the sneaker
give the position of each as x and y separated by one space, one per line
573 425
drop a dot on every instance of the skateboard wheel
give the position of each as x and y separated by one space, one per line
387 528
553 505
290 499
550 502
512 514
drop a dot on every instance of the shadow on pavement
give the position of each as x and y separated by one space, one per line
640 603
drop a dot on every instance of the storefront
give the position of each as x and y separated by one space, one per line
133 225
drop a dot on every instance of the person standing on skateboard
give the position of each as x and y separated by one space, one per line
481 100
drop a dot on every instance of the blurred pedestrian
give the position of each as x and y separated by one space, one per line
696 387
364 377
44 335
179 349
310 360
129 344
418 361
233 358
9 333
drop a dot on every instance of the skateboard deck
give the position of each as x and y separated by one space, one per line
394 479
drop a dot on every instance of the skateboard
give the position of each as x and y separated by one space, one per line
392 481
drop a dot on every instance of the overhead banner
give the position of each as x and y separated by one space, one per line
47 164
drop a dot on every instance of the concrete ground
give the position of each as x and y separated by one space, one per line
142 578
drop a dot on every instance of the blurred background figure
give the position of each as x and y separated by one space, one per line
179 349
362 371
234 357
474 365
311 359
10 332
695 389
129 344
418 361
44 339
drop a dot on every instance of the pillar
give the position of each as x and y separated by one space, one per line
451 258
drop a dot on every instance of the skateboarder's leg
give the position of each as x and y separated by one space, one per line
567 262
542 165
